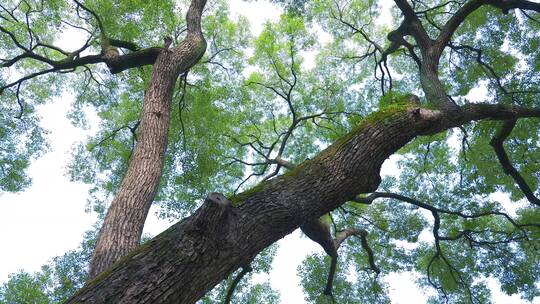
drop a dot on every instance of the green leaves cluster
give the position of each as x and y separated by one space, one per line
58 280
287 93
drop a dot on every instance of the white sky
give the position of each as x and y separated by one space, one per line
49 218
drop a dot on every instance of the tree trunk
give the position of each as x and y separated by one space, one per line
124 222
184 262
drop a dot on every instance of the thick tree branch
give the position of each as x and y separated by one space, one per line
413 26
124 44
319 232
124 221
454 22
117 63
262 216
506 5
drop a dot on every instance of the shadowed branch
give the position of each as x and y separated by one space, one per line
508 168
235 282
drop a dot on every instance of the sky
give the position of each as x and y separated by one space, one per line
49 218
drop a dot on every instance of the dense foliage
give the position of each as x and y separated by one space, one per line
259 103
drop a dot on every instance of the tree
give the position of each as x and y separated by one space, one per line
360 101
56 282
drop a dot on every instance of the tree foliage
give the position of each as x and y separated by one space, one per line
257 105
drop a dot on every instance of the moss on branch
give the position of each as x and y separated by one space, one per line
389 108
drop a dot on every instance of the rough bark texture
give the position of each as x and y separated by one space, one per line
122 228
183 263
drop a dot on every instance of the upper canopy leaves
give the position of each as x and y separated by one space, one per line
255 107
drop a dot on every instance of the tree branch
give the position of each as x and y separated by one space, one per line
362 234
197 260
454 22
414 26
116 64
506 5
319 232
100 24
235 282
497 144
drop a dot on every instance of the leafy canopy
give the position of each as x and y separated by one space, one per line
258 99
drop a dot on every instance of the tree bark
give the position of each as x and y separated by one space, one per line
121 231
183 263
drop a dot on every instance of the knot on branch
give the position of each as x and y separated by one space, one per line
110 53
426 115
111 57
397 39
217 199
212 217
398 34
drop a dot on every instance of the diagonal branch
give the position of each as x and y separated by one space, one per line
116 62
506 5
469 7
235 282
345 169
319 231
508 168
373 196
113 134
91 12
454 22
116 65
362 234
414 26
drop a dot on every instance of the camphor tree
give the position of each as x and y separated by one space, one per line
194 106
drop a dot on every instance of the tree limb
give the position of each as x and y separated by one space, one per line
414 26
124 221
454 22
497 144
235 282
91 12
319 232
197 260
